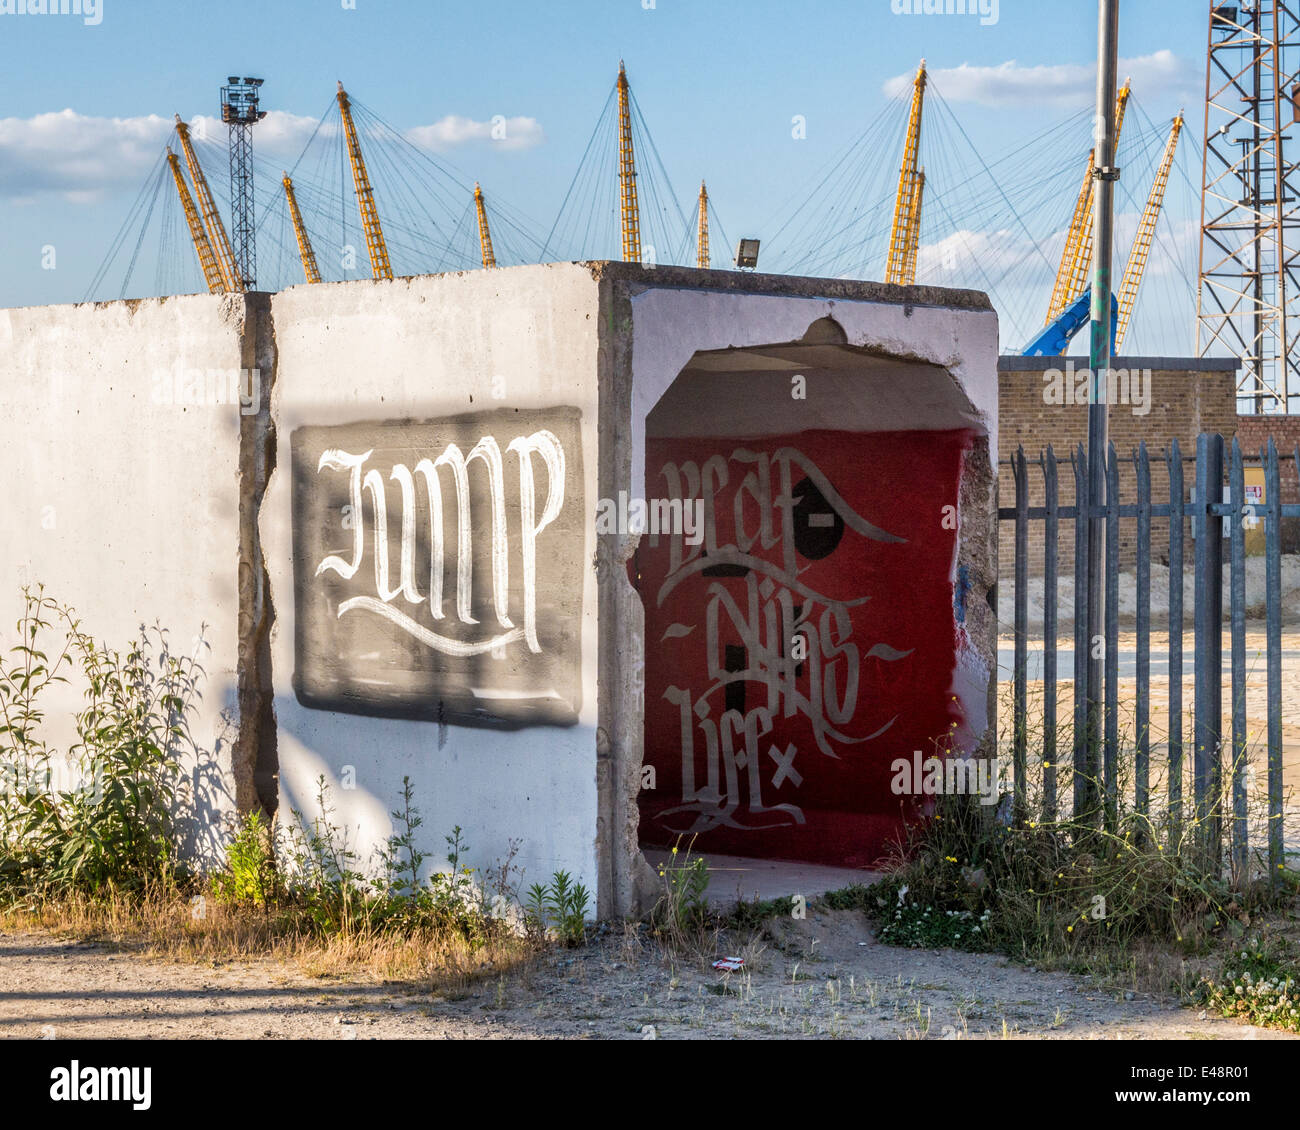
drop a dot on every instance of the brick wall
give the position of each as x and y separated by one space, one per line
1187 396
1253 433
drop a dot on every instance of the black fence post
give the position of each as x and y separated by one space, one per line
1174 622
1051 530
1110 744
1020 675
1273 648
1240 851
1208 725
1142 784
1085 771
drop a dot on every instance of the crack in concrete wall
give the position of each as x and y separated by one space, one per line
254 761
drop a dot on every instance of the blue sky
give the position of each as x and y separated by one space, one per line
718 81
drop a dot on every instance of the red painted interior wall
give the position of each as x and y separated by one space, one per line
791 743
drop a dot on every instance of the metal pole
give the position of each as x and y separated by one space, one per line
1099 360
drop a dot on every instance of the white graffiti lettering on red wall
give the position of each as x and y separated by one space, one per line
771 630
365 483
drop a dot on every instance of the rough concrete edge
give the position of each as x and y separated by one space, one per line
977 502
255 761
977 547
627 886
637 277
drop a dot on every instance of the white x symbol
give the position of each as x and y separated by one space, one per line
784 766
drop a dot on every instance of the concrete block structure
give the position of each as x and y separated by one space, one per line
595 555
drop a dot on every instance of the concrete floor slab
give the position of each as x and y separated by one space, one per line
733 878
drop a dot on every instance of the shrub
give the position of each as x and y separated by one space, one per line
1041 890
249 875
560 905
116 827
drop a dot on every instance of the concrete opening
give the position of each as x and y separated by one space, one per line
803 605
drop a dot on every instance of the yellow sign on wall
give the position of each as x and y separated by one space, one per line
1254 527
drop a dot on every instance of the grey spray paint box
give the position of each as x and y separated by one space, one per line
438 567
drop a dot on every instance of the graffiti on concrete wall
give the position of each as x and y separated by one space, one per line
438 567
803 644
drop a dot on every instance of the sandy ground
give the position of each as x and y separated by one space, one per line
1255 700
824 977
1256 590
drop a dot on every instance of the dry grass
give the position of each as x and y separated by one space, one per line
171 928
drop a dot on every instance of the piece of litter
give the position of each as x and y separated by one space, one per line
729 964
862 943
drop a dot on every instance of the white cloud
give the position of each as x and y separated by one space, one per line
1064 84
79 157
454 130
280 135
971 255
74 155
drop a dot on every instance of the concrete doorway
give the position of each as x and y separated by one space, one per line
802 627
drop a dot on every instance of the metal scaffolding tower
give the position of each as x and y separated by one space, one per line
1250 226
239 111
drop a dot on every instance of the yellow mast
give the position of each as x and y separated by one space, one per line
1082 212
380 268
1076 258
702 239
907 215
484 234
631 213
305 252
211 272
914 232
1137 259
230 276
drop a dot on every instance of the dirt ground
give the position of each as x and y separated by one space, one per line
824 977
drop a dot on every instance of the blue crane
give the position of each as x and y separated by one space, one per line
1056 337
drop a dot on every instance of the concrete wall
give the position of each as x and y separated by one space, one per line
127 499
1187 396
434 348
301 530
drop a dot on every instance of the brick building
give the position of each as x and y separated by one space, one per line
1039 405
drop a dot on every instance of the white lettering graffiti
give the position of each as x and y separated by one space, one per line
793 642
363 483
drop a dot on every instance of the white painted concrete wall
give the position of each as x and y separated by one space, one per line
418 348
123 506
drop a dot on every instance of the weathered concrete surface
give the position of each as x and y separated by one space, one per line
127 504
136 507
428 349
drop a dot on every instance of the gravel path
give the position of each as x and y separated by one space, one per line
819 978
